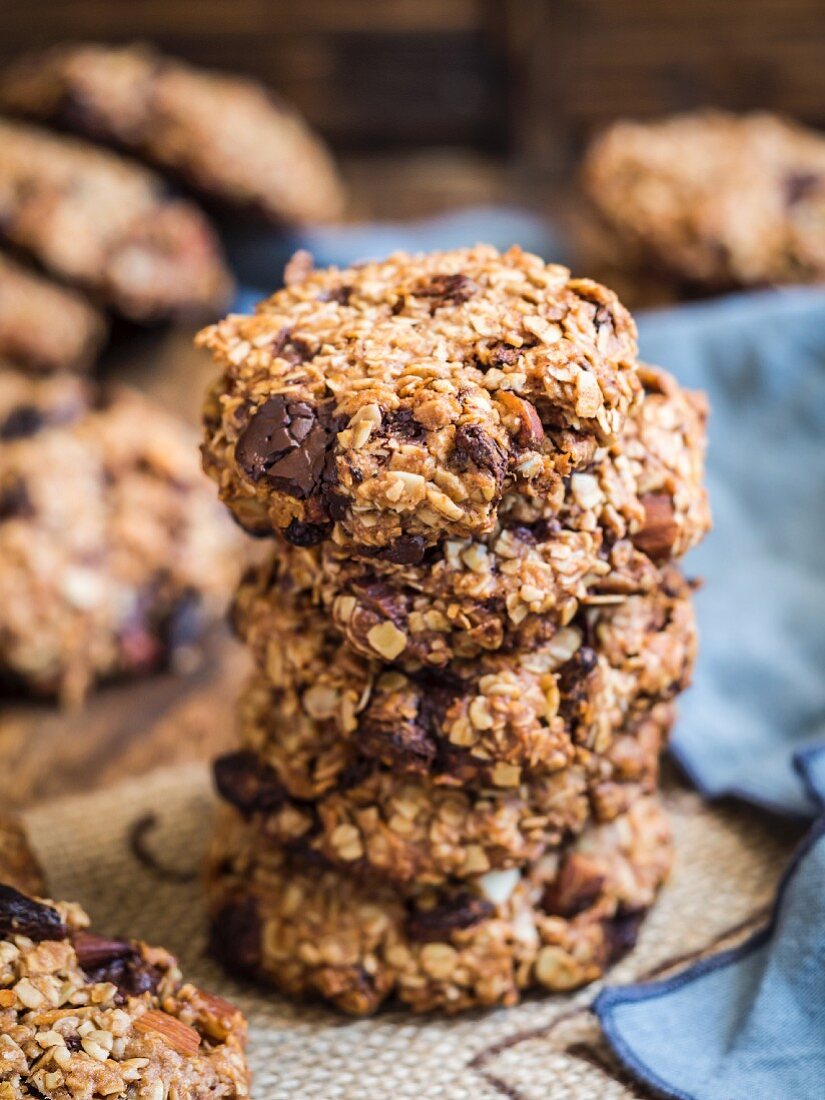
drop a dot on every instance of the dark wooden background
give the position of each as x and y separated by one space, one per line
525 79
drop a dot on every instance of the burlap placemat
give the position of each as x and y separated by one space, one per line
131 856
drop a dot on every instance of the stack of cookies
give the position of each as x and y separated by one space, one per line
468 634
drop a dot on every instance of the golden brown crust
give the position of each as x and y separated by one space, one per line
45 327
642 503
382 823
495 720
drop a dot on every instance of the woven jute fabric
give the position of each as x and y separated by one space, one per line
132 857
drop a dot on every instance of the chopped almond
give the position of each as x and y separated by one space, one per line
185 1040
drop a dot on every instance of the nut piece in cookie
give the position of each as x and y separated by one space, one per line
84 1015
393 404
223 135
113 554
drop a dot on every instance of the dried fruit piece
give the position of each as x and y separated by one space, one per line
23 916
462 911
182 1038
94 951
247 784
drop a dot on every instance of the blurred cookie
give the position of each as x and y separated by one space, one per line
113 554
224 135
45 327
99 221
83 1015
392 405
713 200
18 864
555 925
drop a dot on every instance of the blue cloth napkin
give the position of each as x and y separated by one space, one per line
749 1023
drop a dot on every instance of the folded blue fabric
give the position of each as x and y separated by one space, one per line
759 694
750 1023
746 1024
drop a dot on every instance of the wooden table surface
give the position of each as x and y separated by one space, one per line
128 729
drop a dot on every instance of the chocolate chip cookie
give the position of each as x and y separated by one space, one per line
713 200
224 135
107 225
45 327
379 822
392 405
495 720
554 925
113 554
18 864
643 502
84 1015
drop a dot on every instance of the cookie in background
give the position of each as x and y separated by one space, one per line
113 555
46 327
223 135
708 202
100 222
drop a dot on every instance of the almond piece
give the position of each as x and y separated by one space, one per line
221 1016
531 432
185 1040
658 536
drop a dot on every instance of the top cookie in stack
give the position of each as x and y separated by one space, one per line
395 404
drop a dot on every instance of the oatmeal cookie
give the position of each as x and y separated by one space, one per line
224 135
105 224
393 404
553 926
714 200
641 504
18 864
45 327
83 1015
497 720
113 554
376 822
31 405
